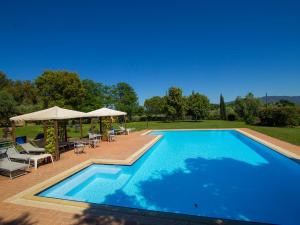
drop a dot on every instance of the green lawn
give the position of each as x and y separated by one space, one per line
291 135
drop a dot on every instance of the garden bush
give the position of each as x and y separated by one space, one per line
105 128
50 140
279 116
231 117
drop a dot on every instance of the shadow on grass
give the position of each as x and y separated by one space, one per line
24 219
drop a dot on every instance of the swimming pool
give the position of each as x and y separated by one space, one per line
213 173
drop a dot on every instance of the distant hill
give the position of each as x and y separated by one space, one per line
272 99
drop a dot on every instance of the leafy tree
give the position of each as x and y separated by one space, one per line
252 107
24 92
223 115
175 105
4 82
198 106
154 105
125 98
283 102
93 95
239 107
279 115
7 107
248 108
60 88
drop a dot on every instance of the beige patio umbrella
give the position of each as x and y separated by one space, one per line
55 113
105 112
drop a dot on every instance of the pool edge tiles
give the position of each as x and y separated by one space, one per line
29 197
270 145
70 205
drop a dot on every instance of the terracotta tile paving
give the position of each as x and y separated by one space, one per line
122 148
290 147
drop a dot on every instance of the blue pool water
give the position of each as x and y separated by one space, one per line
221 174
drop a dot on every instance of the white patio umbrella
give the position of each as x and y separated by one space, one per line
55 113
105 112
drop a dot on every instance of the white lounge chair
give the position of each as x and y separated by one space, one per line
12 153
29 148
37 158
9 166
126 130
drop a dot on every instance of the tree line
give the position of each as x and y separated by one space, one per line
66 89
196 106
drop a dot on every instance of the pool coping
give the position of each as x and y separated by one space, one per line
28 197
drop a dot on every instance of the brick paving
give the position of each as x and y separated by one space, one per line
122 148
285 145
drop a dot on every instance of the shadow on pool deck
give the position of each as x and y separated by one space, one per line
24 219
231 193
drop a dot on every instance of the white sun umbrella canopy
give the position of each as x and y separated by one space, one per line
54 113
105 112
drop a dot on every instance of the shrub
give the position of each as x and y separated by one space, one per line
231 117
214 114
50 140
252 120
279 116
105 128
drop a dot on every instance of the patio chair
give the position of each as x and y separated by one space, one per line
78 147
94 139
9 166
13 153
37 158
111 135
29 148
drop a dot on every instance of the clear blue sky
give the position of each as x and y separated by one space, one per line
229 47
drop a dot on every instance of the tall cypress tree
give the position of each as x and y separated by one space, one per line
222 108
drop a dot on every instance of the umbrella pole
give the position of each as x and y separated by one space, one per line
125 122
65 127
100 124
80 121
13 132
56 140
45 132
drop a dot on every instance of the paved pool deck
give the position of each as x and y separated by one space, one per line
122 149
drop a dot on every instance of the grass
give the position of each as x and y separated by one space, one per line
291 135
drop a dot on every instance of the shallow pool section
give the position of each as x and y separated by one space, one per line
221 174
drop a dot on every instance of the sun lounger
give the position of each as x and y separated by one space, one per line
12 153
37 158
126 130
29 148
9 166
